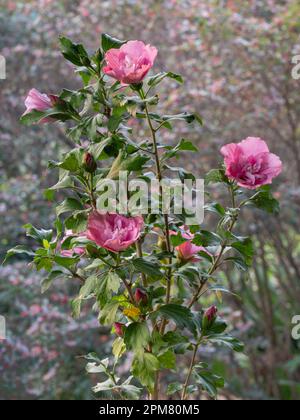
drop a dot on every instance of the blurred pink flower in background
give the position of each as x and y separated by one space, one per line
114 232
35 310
250 163
131 63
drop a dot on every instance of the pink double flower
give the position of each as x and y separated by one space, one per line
131 63
114 232
250 163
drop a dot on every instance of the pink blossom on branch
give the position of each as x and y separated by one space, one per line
114 232
77 250
250 163
188 252
39 102
131 63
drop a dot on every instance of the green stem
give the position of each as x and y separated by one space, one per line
187 381
217 261
139 251
166 217
159 176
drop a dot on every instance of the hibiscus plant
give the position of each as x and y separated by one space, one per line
146 273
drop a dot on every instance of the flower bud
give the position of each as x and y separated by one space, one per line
141 297
119 327
209 318
88 162
117 166
162 243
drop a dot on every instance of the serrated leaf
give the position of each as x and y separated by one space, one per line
216 176
108 42
245 247
47 282
206 239
173 388
209 382
167 360
137 336
158 78
151 268
181 315
68 205
20 249
228 341
144 367
265 201
118 347
108 314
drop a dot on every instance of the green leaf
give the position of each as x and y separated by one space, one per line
216 208
114 123
149 267
177 240
108 314
47 282
72 161
130 391
167 360
77 222
209 382
265 201
185 116
20 249
222 289
32 117
216 176
76 308
245 247
66 262
109 283
69 204
144 367
218 327
239 263
75 53
137 336
108 42
38 234
118 348
97 149
186 146
158 78
181 315
205 239
183 146
105 386
135 164
65 181
228 341
174 387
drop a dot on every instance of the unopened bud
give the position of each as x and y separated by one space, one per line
54 100
141 297
162 243
119 328
209 318
88 162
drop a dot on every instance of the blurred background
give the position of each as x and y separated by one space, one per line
236 57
